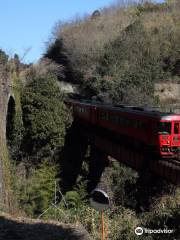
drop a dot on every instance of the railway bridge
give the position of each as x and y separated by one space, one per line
112 145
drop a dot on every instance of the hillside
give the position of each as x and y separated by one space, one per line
121 52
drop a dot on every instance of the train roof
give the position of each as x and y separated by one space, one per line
142 111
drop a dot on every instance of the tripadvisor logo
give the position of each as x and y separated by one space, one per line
138 231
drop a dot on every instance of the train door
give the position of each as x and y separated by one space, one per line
176 134
154 139
165 137
93 114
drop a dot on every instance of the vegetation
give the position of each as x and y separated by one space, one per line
35 193
115 55
45 117
3 57
120 54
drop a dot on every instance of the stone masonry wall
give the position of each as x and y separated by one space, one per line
5 92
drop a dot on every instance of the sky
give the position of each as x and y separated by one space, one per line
26 25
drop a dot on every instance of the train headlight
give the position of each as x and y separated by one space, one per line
176 138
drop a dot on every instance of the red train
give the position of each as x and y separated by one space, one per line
159 132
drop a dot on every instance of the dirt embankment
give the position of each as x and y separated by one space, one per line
27 229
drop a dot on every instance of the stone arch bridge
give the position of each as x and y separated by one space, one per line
7 110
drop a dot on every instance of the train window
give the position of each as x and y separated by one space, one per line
135 124
116 119
111 118
81 110
128 123
176 128
164 128
144 126
139 125
120 120
103 116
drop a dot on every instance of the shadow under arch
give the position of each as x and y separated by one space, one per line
10 119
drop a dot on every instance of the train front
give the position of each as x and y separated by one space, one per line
169 135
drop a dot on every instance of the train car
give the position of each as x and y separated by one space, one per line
82 110
153 130
156 131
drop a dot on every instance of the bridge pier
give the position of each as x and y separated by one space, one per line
72 157
98 161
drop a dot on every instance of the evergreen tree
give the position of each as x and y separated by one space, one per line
3 57
45 117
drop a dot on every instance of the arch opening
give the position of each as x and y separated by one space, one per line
10 120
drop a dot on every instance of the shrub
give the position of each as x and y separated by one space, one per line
72 198
35 192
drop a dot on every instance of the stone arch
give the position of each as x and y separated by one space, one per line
10 118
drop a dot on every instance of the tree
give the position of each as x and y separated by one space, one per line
3 57
45 117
